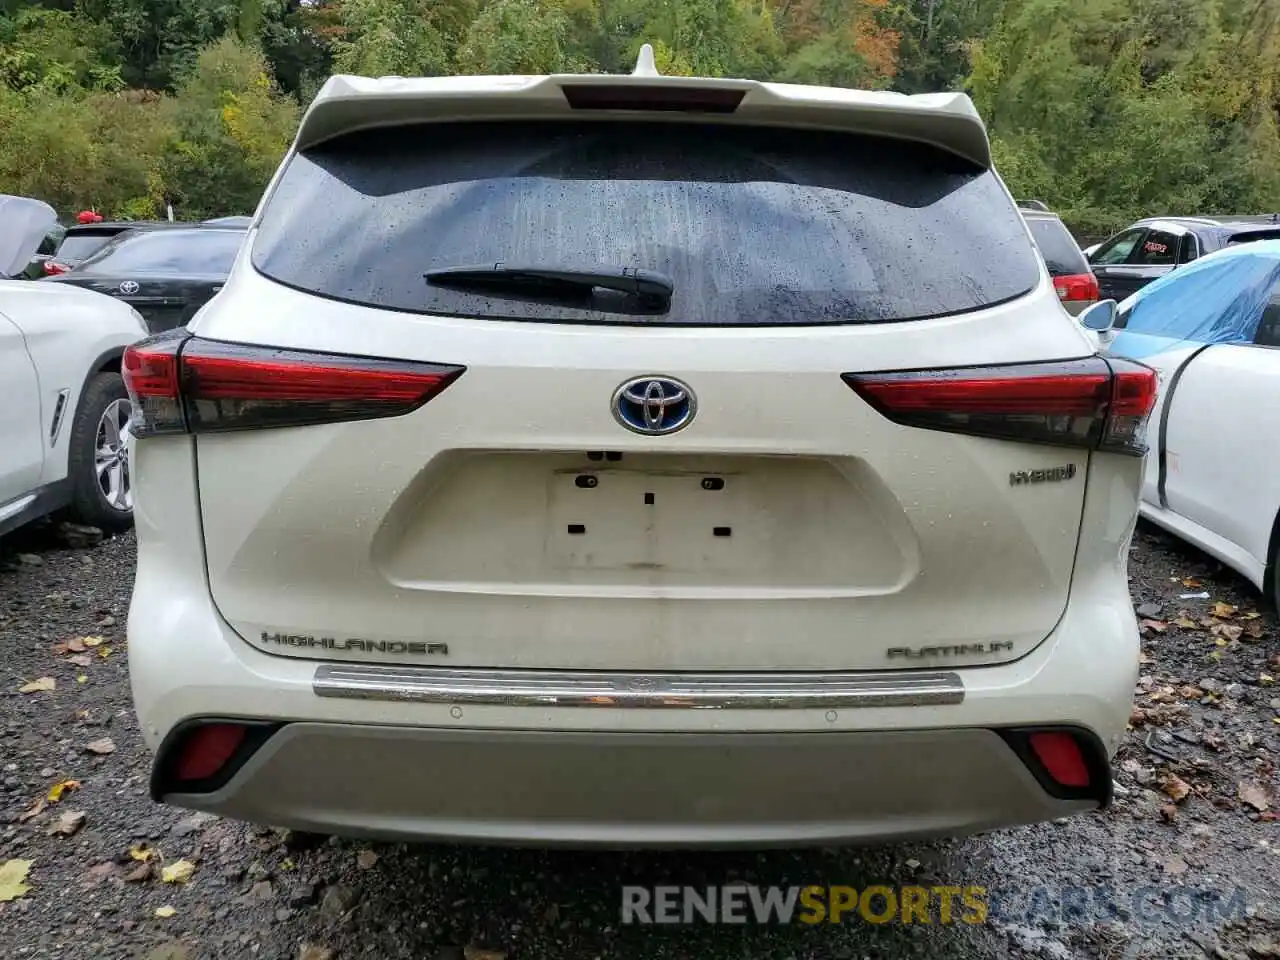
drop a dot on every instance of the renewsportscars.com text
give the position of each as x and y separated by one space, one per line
939 904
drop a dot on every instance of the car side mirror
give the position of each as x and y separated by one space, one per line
1100 317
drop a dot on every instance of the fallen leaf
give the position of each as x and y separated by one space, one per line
33 811
13 877
1253 631
101 747
1159 626
80 660
1191 693
1175 787
366 859
1191 582
1251 615
179 871
1175 866
82 679
310 951
1169 813
1227 631
1143 658
1266 679
1186 623
75 645
138 873
141 853
38 686
164 912
479 953
58 789
68 823
1221 609
104 652
1254 795
91 641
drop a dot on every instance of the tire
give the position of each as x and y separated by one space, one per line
104 501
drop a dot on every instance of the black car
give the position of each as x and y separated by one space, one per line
166 275
84 240
1150 248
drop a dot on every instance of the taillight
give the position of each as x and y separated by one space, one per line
52 268
184 384
1092 403
1081 286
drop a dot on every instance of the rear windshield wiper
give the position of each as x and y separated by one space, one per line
646 284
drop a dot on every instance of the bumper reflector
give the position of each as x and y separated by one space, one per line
206 750
1061 757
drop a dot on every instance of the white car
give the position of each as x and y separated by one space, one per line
64 411
1212 330
634 460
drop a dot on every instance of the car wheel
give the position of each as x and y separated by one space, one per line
98 464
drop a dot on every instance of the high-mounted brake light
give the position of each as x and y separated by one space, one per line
184 384
1076 287
1092 403
593 96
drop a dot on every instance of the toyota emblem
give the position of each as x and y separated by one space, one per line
129 287
654 405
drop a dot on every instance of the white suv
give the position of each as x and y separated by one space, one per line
634 460
64 412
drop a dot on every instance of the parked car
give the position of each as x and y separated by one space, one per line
239 221
1212 330
604 474
1076 286
166 275
1150 248
84 240
35 268
64 412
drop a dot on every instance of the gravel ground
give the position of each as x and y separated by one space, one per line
1182 865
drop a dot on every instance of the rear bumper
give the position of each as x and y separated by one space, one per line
632 790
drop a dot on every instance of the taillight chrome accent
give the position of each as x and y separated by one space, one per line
1092 403
185 384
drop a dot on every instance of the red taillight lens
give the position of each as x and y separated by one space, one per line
1061 757
1079 403
206 750
181 383
1082 286
52 268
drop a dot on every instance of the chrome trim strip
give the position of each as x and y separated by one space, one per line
691 691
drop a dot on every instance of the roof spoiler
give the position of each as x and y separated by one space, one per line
346 104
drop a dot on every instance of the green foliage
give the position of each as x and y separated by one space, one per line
1107 109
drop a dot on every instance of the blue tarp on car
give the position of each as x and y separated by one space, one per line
1218 299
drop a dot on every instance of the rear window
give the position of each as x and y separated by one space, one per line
753 225
1062 255
1253 236
168 253
80 246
